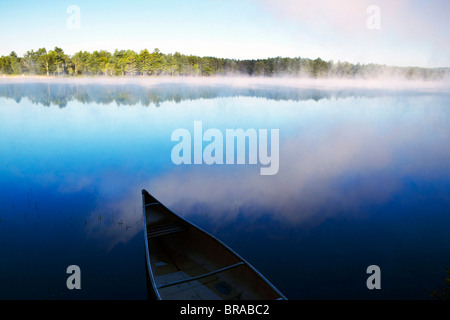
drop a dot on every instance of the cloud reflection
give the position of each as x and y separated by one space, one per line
343 152
357 160
336 158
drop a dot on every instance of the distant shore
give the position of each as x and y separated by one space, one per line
391 83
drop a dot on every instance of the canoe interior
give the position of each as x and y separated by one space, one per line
177 251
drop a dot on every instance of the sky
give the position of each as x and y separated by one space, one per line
401 32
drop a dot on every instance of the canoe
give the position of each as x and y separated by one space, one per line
184 262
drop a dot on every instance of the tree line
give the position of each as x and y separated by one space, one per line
145 63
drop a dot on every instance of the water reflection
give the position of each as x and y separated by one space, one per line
71 177
150 92
337 158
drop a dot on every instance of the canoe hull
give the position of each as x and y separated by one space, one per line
186 263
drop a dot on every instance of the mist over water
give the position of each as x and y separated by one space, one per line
363 179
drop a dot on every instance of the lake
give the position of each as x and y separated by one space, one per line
363 179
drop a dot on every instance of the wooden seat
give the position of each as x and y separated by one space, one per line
164 229
200 276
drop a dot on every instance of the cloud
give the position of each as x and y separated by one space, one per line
412 32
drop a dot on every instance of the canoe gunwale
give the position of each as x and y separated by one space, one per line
147 254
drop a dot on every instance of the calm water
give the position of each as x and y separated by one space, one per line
364 179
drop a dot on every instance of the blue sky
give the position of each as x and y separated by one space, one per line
412 32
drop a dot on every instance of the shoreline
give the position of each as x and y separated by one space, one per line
392 83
